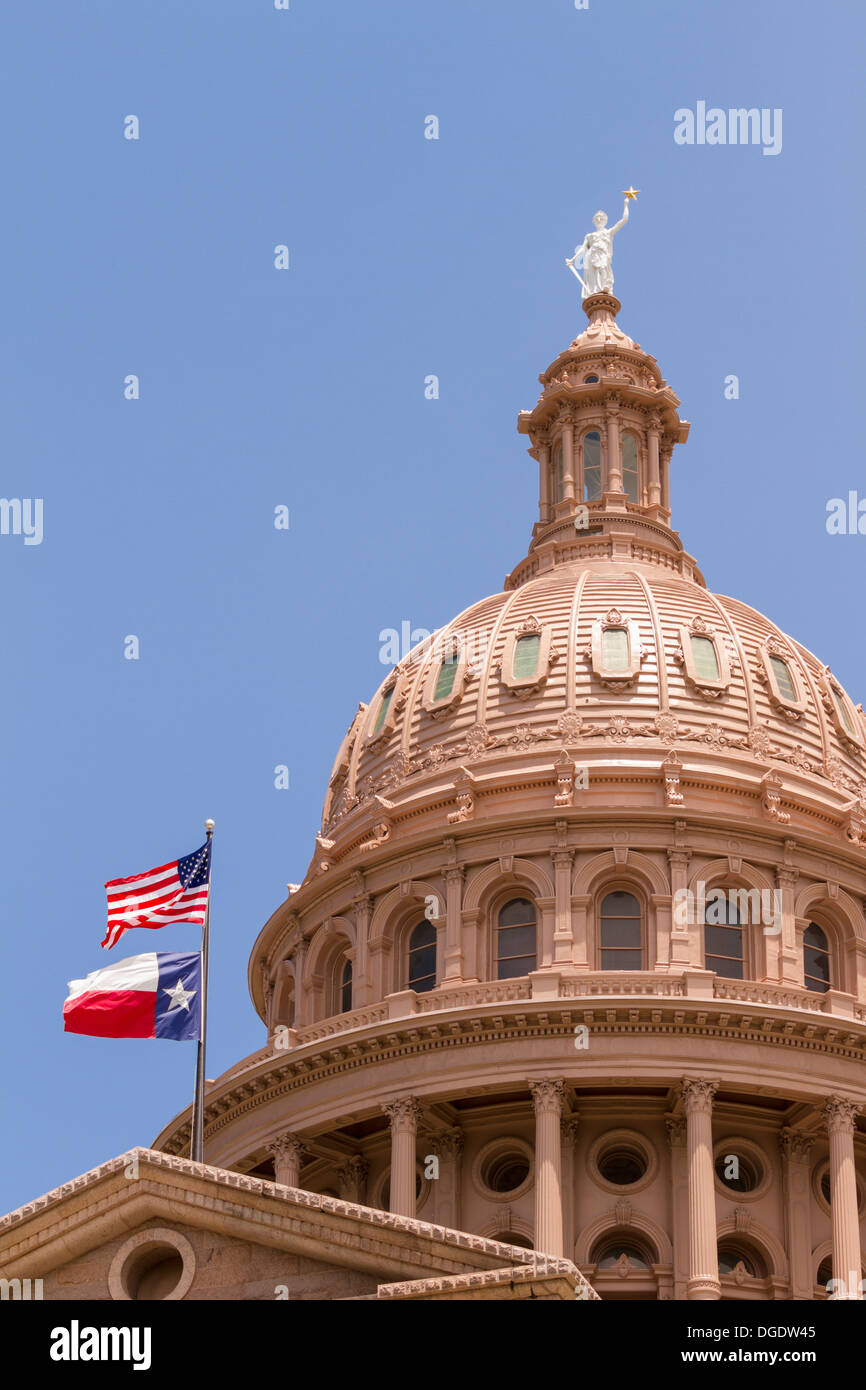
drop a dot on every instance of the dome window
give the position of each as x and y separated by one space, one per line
422 958
592 466
384 711
527 658
704 658
723 938
778 674
515 940
447 677
590 380
526 650
816 959
630 471
621 933
616 650
384 706
845 718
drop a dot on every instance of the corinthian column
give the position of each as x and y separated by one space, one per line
404 1115
795 1148
287 1152
697 1099
839 1115
547 1097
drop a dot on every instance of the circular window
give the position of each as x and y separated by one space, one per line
156 1264
822 1189
622 1166
741 1168
514 1238
503 1169
622 1161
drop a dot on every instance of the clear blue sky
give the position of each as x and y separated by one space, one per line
305 388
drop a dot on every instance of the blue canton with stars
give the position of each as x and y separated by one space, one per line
194 869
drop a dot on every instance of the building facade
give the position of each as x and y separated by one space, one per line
579 961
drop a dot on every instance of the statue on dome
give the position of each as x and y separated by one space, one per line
595 255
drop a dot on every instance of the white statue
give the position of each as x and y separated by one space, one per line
595 255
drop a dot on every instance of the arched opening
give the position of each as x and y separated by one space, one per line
630 473
816 959
592 466
345 992
421 956
621 936
516 939
723 936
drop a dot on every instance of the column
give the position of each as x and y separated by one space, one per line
568 1129
547 1097
684 943
697 1097
676 1128
614 457
404 1115
301 994
352 1177
666 477
788 947
449 1149
563 933
839 1116
453 923
542 453
361 984
794 1148
654 490
568 458
287 1151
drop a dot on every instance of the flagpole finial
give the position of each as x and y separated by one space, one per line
208 825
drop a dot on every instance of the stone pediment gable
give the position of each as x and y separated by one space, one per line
246 1224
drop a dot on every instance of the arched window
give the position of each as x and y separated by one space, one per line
515 939
611 1252
816 959
784 679
592 466
723 937
630 479
346 987
731 1255
514 1238
422 957
590 379
621 933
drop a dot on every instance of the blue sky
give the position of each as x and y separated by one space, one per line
305 388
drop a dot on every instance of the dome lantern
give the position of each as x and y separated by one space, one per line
602 433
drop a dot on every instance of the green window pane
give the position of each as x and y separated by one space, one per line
526 656
842 709
784 680
445 679
704 657
614 645
383 710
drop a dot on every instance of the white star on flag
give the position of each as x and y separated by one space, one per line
179 996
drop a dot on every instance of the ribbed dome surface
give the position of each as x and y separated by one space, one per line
576 708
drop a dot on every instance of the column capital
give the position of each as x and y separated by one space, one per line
449 1144
795 1145
404 1112
288 1145
563 856
676 1128
840 1114
697 1095
454 873
547 1095
568 1128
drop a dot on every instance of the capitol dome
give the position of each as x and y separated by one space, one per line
529 987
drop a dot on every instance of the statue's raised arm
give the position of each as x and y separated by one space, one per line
622 221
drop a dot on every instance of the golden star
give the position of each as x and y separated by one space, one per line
630 193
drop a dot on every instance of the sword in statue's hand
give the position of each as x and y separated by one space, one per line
569 261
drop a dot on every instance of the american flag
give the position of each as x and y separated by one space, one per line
175 892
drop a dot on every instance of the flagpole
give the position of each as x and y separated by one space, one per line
196 1152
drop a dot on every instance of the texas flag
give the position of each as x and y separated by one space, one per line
156 995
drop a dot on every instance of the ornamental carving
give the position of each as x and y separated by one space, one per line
404 1113
771 798
672 771
795 1145
547 1096
840 1114
697 1095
